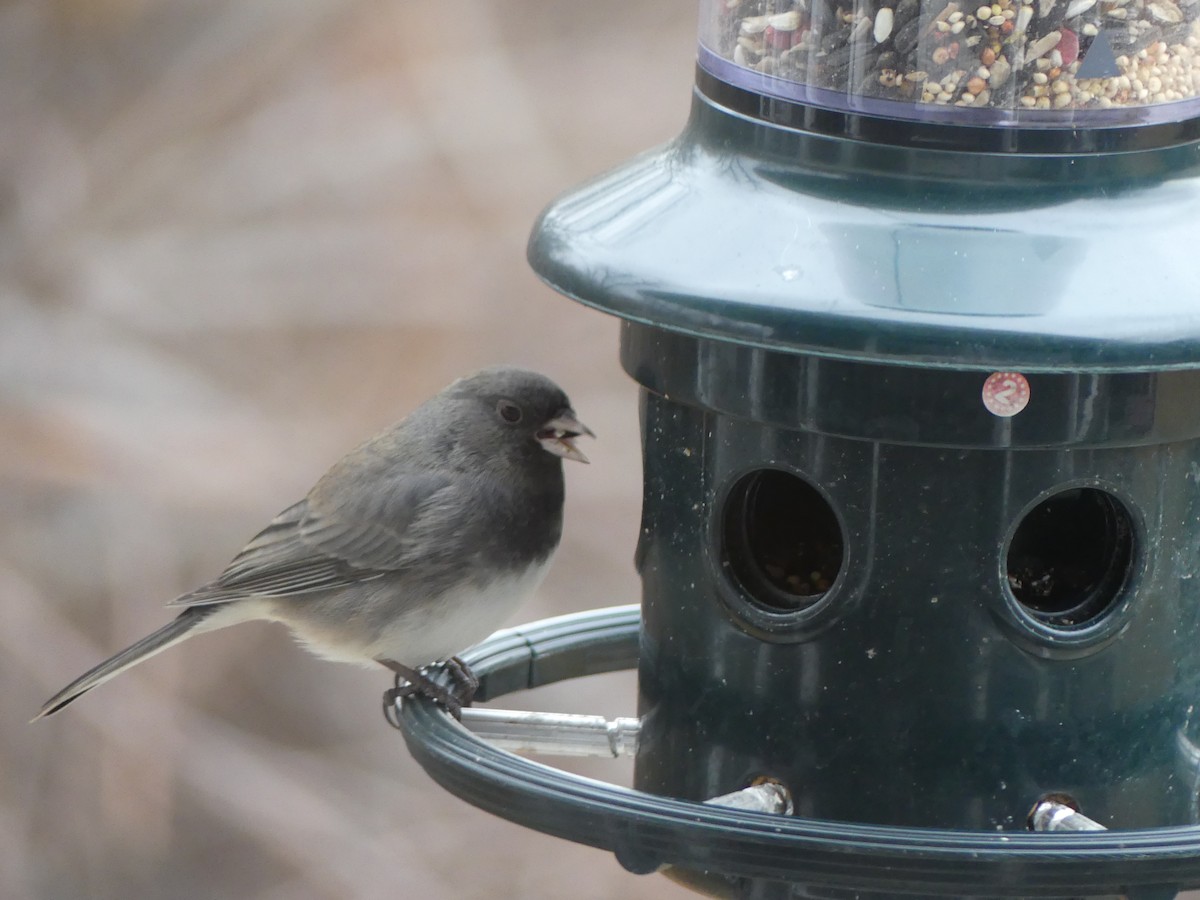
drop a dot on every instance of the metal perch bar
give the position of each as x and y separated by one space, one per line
567 734
768 797
554 734
1051 815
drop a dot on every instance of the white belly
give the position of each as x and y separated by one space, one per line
431 633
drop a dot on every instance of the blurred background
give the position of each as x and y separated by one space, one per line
235 240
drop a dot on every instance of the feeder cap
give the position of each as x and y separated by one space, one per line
775 238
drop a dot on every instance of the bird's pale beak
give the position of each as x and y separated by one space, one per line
557 436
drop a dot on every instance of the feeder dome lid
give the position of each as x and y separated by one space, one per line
746 231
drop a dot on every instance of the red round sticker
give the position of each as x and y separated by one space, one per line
1005 393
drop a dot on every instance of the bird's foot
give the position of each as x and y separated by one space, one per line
411 682
466 682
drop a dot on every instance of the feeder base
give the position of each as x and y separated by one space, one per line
748 855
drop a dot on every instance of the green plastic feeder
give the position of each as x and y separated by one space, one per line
919 348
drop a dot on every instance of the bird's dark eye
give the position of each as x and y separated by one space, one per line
509 411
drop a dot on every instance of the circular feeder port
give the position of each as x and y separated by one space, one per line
1070 557
781 540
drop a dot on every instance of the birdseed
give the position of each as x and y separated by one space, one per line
1011 54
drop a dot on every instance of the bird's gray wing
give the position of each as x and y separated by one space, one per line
314 545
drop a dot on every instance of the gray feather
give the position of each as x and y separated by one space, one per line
305 550
172 633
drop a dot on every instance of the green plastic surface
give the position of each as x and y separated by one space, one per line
775 238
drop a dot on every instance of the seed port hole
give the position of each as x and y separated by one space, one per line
1070 556
781 540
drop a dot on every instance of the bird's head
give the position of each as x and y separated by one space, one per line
523 410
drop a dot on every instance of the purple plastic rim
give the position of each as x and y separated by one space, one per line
800 107
798 92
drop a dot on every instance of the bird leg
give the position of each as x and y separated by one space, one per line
413 681
466 682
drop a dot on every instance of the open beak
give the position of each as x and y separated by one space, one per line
558 436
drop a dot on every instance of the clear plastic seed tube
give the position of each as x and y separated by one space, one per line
1019 62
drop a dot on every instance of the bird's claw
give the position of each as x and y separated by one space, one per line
466 682
410 682
398 691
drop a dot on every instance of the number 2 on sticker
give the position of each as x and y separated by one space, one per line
1005 393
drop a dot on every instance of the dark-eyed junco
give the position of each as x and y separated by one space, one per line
411 548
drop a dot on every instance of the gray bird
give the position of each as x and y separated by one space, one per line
411 548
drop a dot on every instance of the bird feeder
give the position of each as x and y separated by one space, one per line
914 304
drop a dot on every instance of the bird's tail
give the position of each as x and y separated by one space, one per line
180 628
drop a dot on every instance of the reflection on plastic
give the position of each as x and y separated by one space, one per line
966 271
